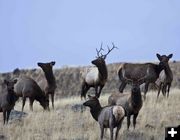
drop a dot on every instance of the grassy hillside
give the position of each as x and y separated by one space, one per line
69 79
65 124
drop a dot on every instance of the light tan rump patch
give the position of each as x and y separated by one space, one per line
118 112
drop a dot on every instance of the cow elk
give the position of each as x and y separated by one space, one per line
48 85
8 99
96 76
148 70
107 117
131 102
26 87
164 81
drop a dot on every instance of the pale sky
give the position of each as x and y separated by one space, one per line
69 31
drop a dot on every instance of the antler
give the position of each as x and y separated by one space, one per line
98 51
109 50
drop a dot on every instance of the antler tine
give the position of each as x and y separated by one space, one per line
109 50
114 45
101 49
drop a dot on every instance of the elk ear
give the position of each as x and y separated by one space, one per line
170 56
53 63
15 81
39 64
158 56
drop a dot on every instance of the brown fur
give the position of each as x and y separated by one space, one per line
148 71
48 84
8 99
164 81
102 75
107 117
26 87
132 103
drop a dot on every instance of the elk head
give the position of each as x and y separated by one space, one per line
163 59
47 67
10 85
100 58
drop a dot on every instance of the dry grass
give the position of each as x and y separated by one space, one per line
65 124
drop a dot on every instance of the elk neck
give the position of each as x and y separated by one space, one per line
103 71
11 97
95 111
168 71
158 69
50 77
136 98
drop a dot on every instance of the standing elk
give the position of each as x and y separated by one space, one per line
48 85
107 117
164 81
132 102
96 76
8 99
26 87
148 70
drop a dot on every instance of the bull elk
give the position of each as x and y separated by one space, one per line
148 70
96 76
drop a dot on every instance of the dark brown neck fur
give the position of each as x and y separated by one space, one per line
95 111
103 71
50 78
136 99
168 72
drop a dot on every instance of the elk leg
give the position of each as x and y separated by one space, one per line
84 90
146 89
31 100
111 132
100 89
8 113
169 86
134 120
102 132
23 102
52 99
117 130
159 90
128 121
122 86
4 116
164 90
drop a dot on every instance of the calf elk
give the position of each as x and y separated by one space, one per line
108 117
8 99
96 76
148 70
132 102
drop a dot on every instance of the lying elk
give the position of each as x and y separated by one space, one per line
96 76
164 81
132 102
48 85
107 117
8 99
26 87
148 70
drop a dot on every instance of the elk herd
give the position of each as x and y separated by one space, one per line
120 105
